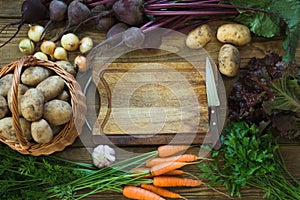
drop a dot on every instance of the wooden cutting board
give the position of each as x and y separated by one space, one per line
151 103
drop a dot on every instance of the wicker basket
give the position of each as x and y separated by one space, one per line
71 130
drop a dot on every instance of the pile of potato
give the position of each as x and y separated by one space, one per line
232 36
43 104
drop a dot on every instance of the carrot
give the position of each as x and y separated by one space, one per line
174 172
142 170
168 150
172 181
161 191
166 167
133 192
179 158
147 170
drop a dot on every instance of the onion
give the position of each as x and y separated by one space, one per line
70 42
26 46
81 63
36 32
41 56
60 53
48 48
86 44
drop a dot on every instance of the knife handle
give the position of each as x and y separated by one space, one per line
214 127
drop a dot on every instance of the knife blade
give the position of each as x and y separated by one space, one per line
213 104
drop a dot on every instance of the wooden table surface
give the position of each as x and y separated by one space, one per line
80 150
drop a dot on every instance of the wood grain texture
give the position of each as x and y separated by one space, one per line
152 98
80 150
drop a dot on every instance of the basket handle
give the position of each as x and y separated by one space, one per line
25 61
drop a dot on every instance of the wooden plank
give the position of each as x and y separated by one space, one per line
79 151
11 9
151 99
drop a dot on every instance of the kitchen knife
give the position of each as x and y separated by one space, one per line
213 104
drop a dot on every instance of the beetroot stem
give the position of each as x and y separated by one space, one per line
164 22
94 4
181 21
183 5
195 13
14 35
148 23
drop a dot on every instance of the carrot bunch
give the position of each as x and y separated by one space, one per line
164 172
145 176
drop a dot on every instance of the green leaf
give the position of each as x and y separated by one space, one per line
261 24
286 96
282 14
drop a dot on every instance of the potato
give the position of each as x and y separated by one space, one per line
3 107
229 60
199 37
51 87
21 91
32 104
57 112
26 128
236 34
67 66
57 129
41 131
34 75
64 96
5 84
7 129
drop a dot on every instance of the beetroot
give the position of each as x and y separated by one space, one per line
105 23
133 37
77 13
58 10
129 11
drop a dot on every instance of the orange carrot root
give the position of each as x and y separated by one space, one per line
172 181
179 158
133 192
175 172
166 167
169 150
161 191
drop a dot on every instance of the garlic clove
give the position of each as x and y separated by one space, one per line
40 55
48 48
81 63
26 46
103 155
86 44
70 42
36 32
60 54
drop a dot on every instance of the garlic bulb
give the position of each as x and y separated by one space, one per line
103 155
26 46
36 33
86 44
70 42
80 62
40 55
48 48
60 53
